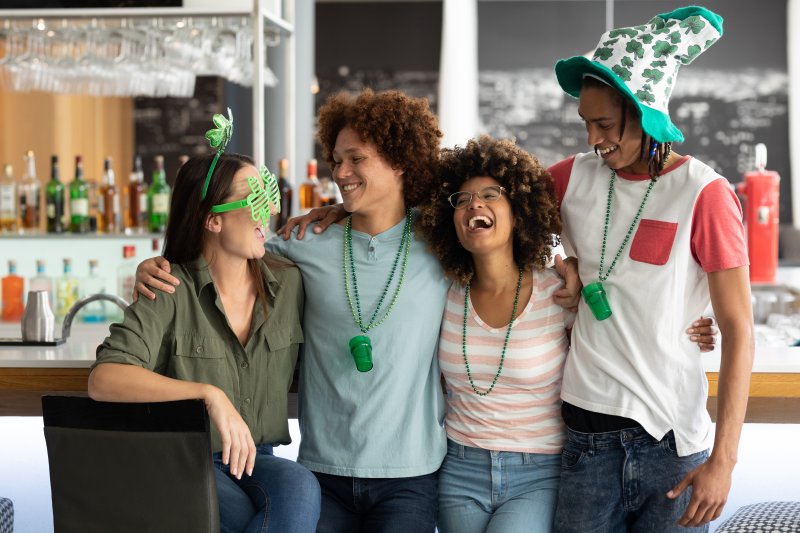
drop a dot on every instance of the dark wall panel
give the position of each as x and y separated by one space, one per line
732 97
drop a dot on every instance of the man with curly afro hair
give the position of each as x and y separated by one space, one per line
371 427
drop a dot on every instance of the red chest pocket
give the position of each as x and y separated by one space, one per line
653 241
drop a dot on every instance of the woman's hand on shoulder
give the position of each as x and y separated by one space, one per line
324 216
238 448
155 273
569 295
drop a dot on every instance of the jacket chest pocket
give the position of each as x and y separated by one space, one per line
198 347
201 359
653 241
281 338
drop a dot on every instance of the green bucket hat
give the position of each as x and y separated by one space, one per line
642 63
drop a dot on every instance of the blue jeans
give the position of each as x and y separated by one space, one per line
618 481
488 491
280 497
377 505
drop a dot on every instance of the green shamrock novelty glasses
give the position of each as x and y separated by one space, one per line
263 194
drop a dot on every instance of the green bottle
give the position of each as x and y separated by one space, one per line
79 200
158 198
54 199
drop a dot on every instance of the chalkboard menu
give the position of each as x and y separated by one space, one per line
173 127
730 99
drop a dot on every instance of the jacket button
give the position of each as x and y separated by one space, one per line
199 349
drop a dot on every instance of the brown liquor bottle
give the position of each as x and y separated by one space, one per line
310 189
137 199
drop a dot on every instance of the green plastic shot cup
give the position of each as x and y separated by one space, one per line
361 350
596 299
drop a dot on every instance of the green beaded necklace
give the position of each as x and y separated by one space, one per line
602 277
505 342
405 245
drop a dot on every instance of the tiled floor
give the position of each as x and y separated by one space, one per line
768 469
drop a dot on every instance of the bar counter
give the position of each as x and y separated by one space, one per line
27 373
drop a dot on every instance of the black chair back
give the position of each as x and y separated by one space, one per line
138 467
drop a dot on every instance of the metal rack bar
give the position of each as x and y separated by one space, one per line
134 12
259 122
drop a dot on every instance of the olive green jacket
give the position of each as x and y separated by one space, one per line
186 335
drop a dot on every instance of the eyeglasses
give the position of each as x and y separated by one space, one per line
461 199
265 192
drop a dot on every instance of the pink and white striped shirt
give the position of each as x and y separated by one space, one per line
523 411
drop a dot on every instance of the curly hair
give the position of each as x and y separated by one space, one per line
404 130
530 191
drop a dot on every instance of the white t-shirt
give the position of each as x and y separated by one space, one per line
639 363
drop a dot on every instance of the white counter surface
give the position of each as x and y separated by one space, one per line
79 352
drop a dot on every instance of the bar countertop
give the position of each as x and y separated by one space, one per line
79 352
27 373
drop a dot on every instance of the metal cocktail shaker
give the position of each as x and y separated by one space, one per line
38 321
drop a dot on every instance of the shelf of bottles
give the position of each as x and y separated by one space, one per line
77 239
71 268
29 208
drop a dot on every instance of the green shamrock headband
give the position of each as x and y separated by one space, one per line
264 191
218 138
259 199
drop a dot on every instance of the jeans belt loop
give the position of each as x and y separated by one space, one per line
591 443
461 451
526 458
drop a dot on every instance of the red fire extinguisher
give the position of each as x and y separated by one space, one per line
760 190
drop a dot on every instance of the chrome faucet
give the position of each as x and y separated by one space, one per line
83 301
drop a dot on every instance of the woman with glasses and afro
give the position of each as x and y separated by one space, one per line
491 224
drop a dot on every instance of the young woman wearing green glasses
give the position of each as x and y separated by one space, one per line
229 334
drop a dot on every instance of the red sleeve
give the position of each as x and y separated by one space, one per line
561 172
718 241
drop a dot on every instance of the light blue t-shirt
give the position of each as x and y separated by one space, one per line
388 422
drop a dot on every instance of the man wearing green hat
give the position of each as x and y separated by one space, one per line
658 235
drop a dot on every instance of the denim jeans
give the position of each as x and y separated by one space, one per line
618 481
377 505
280 497
489 491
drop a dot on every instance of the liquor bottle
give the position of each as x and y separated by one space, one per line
285 187
126 273
41 281
93 284
8 200
158 198
79 200
137 198
29 195
109 200
54 199
310 189
93 192
12 288
66 291
329 192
